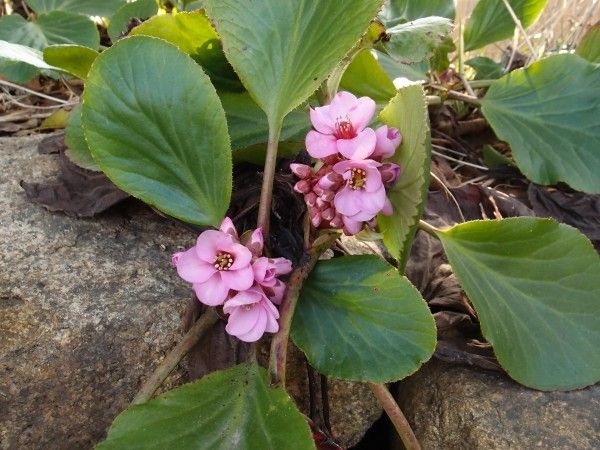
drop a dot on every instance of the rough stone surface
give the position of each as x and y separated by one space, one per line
456 407
87 310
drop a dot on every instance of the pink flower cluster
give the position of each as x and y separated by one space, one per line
224 272
347 187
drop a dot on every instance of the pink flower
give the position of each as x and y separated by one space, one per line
251 314
341 127
388 140
390 173
216 264
363 196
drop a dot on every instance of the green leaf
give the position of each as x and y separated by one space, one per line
15 29
492 158
75 59
248 125
364 76
439 60
490 21
396 70
548 113
536 287
589 47
132 118
407 111
103 8
485 68
78 150
19 63
56 120
193 34
61 27
416 41
15 71
358 319
400 11
284 50
139 9
228 409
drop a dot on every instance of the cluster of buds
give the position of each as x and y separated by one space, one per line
224 272
347 186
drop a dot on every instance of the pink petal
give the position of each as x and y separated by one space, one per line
247 297
210 242
240 279
387 209
320 145
272 316
242 320
346 202
388 140
282 266
191 268
259 328
341 103
374 181
260 267
276 292
256 243
241 256
351 226
361 113
212 292
228 227
321 120
360 147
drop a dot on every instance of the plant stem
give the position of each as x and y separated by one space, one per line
428 228
191 338
477 84
396 416
279 343
266 193
454 95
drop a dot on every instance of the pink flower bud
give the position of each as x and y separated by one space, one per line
337 222
302 187
388 140
328 214
310 199
321 204
389 173
328 196
301 170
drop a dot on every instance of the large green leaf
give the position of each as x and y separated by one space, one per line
15 29
589 47
162 141
417 41
75 59
548 113
396 70
407 111
248 124
104 8
226 410
193 34
364 76
536 287
399 11
283 50
490 21
358 319
139 9
485 68
21 53
78 150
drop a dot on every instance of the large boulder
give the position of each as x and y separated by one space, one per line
453 407
88 308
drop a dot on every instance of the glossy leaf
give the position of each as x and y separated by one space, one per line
364 76
417 41
78 150
536 287
228 409
103 8
19 63
132 117
248 125
139 9
485 68
407 111
548 113
74 59
358 319
589 47
490 21
283 50
193 34
399 11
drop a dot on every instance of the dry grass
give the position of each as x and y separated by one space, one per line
560 27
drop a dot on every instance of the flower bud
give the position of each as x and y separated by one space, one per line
389 173
301 170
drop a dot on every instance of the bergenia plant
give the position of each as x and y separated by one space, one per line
169 111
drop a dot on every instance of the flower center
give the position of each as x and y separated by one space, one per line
344 129
223 261
358 178
249 307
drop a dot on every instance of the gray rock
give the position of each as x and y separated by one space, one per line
455 407
88 308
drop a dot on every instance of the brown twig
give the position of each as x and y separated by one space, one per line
191 338
396 416
279 343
